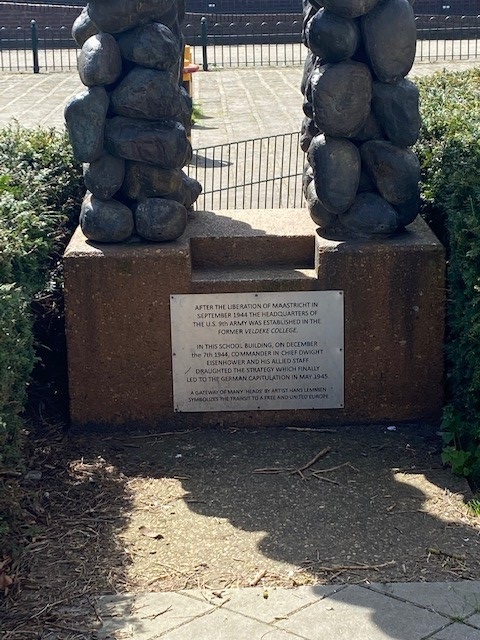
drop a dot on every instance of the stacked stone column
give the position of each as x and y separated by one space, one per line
130 126
361 116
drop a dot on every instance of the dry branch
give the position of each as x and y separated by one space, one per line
315 459
261 574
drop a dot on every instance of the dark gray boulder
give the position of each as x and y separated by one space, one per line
394 171
105 221
321 216
369 216
148 181
146 93
104 176
307 132
349 8
371 130
397 111
336 169
408 211
153 46
341 95
85 116
83 28
116 16
100 61
389 36
189 191
331 37
308 66
163 143
160 220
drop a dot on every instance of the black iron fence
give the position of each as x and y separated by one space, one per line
235 44
263 173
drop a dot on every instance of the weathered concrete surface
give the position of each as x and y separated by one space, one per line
118 318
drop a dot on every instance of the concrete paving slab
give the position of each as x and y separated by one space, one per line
474 620
272 604
449 599
225 625
146 616
457 631
363 614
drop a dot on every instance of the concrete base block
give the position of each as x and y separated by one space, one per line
118 316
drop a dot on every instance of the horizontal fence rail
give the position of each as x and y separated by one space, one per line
262 173
250 41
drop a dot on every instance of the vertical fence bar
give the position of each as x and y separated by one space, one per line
33 27
204 38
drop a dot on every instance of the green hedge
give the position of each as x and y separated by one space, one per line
449 152
40 188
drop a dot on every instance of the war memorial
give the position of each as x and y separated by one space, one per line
329 314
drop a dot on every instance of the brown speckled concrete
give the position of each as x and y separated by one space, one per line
118 320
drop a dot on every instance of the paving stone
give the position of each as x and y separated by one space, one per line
226 625
142 616
279 603
449 599
475 619
457 631
355 612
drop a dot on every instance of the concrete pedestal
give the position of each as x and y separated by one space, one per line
118 316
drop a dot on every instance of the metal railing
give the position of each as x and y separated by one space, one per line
238 44
262 173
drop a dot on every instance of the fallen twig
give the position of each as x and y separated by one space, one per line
338 466
311 429
439 552
161 434
323 478
261 574
354 567
274 470
315 459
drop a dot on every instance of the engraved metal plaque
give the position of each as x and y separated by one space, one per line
257 351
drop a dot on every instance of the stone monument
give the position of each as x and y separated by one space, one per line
361 116
131 125
258 314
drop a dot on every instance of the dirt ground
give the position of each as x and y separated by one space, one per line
223 508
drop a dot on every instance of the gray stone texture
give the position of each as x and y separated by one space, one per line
188 192
397 111
146 93
336 168
371 130
331 37
369 216
162 143
394 171
99 62
104 176
341 97
389 36
85 116
105 220
150 181
160 220
83 28
116 16
310 61
349 8
153 46
321 216
407 211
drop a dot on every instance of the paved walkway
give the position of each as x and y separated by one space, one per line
437 611
237 105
